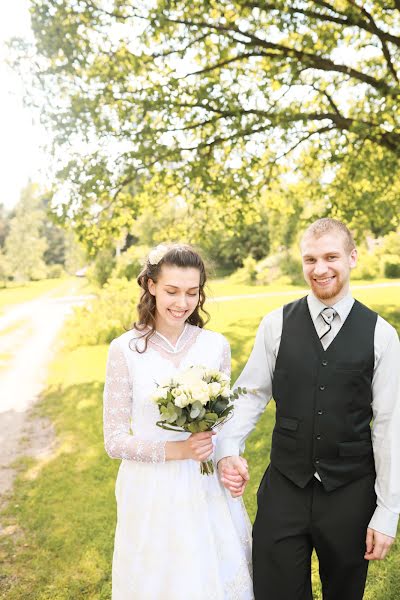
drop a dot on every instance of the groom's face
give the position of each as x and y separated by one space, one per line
327 264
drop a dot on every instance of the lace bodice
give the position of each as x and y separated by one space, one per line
130 430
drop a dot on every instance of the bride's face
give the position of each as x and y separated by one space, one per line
177 295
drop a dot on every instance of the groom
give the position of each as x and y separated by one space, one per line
332 365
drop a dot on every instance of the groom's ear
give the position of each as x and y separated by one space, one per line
353 258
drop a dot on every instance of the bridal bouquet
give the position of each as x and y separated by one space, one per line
197 399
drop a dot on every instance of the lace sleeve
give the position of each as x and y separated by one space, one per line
118 439
225 365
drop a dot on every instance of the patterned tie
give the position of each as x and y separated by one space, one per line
328 314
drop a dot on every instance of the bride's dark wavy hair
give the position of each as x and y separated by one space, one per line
177 255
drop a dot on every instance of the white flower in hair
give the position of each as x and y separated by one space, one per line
157 254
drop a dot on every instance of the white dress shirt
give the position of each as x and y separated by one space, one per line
257 378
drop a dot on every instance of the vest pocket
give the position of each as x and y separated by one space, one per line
287 423
355 448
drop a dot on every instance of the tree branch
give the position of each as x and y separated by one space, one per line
304 139
310 60
365 25
115 14
179 50
343 18
294 11
223 63
329 98
378 33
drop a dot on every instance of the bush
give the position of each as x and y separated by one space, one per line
368 266
100 270
286 267
55 272
391 267
106 317
37 272
292 267
130 263
391 244
268 269
247 273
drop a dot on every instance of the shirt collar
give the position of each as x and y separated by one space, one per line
343 307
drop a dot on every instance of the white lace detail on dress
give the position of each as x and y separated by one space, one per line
225 366
118 440
174 354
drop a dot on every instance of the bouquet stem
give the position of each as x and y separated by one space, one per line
207 468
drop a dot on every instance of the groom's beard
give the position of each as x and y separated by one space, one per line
331 291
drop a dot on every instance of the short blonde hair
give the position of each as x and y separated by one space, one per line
328 225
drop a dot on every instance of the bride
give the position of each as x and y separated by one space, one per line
179 534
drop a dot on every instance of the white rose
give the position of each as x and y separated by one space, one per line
214 389
199 392
225 391
216 375
182 400
176 392
192 376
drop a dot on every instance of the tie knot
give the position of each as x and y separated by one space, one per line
328 314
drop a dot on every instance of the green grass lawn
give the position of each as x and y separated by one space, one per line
59 524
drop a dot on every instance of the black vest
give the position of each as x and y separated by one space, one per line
323 398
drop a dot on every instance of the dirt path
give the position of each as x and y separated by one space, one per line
28 337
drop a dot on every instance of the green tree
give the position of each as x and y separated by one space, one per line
75 256
4 269
224 237
24 246
215 97
4 224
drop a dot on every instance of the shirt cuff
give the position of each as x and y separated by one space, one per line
385 521
225 448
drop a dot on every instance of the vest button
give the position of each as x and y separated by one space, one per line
324 363
322 387
316 461
318 437
320 412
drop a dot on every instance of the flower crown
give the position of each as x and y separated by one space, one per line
157 254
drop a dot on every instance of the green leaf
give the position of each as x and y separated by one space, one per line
211 417
203 426
181 420
193 427
194 413
219 405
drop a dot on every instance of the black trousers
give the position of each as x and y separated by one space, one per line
291 521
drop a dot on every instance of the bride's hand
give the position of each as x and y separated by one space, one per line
199 446
234 474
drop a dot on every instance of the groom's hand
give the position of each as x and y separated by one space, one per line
234 474
377 545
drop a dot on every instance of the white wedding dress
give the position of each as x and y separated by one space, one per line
179 535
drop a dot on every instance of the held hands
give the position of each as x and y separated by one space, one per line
234 474
377 545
